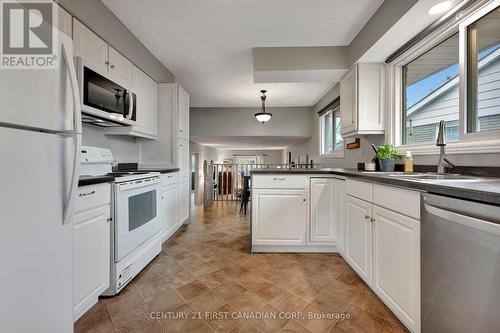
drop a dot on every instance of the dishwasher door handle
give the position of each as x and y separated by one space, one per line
469 221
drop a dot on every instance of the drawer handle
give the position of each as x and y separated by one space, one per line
279 179
86 194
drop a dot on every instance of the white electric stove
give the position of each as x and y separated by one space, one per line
135 227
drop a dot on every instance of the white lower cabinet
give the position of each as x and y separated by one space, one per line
327 211
279 217
358 240
184 201
169 210
383 246
396 264
91 246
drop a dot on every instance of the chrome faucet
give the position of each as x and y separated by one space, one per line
441 143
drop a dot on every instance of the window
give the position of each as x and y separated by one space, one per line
331 143
483 73
456 80
431 92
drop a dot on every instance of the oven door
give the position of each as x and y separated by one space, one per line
104 99
136 215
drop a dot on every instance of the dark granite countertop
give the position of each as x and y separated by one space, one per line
92 180
160 170
483 189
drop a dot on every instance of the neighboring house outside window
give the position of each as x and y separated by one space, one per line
331 142
432 85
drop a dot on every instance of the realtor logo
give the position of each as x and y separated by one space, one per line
28 34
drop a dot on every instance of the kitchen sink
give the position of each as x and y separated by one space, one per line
425 176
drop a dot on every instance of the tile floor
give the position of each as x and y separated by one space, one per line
206 267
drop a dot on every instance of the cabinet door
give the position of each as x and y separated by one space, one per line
348 103
371 96
184 201
183 114
339 214
90 47
358 245
91 257
147 102
120 69
279 217
322 224
169 206
396 264
184 160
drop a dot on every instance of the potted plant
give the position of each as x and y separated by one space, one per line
387 154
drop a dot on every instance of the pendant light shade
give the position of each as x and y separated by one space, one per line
263 116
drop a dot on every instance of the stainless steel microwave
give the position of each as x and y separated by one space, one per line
104 103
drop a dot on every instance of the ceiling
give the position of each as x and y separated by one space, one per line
208 45
248 142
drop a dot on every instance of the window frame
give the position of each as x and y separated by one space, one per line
478 142
334 153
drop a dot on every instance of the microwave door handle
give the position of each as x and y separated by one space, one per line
77 138
130 105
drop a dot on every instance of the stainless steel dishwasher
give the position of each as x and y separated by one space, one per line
460 258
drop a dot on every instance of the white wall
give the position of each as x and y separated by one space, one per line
270 156
204 153
125 149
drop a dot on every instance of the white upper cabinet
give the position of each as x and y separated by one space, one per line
362 100
183 114
90 47
100 56
119 69
65 24
147 102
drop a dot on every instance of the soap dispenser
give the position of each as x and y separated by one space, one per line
408 162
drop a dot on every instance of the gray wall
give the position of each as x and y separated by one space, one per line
204 153
96 16
219 122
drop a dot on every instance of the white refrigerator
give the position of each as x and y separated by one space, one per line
40 140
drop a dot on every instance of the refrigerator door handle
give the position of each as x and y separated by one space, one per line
77 139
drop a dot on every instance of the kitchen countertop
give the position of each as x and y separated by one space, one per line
92 180
485 189
160 170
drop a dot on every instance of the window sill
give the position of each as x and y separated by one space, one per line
334 154
463 147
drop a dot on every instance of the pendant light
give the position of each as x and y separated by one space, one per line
263 116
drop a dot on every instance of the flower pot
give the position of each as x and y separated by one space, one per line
387 165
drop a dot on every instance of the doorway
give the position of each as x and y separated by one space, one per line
195 167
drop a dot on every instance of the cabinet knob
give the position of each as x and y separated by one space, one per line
106 62
112 66
372 219
109 219
367 217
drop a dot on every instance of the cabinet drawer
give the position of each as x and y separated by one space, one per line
169 178
92 196
279 181
362 190
406 202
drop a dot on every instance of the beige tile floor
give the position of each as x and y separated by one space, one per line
206 268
